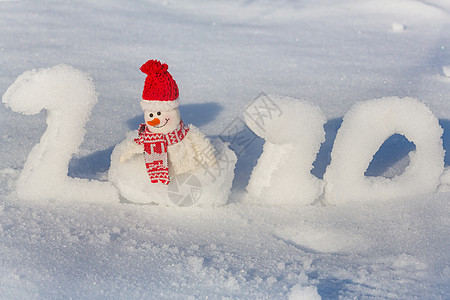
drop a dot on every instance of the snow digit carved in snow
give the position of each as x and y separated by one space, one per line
293 132
68 95
365 127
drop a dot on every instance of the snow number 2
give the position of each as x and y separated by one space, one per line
68 96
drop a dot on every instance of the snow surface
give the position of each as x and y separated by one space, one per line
224 54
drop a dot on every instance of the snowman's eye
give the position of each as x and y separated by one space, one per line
151 115
158 113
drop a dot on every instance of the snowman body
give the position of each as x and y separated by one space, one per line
192 152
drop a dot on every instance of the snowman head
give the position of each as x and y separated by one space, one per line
159 121
160 98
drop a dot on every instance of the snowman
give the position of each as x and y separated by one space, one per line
165 161
169 146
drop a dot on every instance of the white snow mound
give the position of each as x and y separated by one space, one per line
446 70
300 292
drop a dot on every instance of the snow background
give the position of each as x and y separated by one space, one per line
222 55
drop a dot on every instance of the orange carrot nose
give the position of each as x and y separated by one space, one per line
154 122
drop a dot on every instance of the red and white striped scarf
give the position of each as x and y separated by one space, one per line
155 150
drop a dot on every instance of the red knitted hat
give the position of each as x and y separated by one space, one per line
160 90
